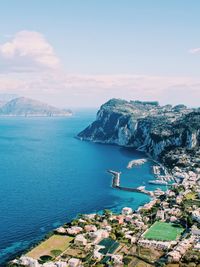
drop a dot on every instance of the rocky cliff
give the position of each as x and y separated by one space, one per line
149 127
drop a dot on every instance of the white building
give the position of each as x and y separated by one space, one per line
27 261
97 255
74 230
108 228
49 264
160 245
61 230
128 218
127 211
196 215
90 228
89 216
60 264
174 256
80 240
117 259
160 215
99 235
73 262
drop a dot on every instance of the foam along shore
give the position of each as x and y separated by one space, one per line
136 162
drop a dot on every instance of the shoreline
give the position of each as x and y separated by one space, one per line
49 233
41 240
150 203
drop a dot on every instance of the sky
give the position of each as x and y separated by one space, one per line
75 53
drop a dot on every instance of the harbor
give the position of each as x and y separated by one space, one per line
116 185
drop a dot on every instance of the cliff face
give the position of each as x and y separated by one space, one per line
146 126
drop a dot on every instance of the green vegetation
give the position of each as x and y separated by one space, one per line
45 258
50 247
191 256
163 231
191 196
127 260
189 203
56 252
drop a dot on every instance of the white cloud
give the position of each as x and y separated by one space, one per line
60 88
195 50
29 67
28 51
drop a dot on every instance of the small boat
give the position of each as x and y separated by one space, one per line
161 182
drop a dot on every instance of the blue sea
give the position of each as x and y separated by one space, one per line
47 177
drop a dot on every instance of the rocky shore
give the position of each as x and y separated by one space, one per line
168 134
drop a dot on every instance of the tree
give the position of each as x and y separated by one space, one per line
56 252
107 213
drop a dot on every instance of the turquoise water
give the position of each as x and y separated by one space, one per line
47 177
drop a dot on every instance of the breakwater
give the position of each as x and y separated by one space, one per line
116 184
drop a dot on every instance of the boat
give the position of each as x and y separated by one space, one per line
161 182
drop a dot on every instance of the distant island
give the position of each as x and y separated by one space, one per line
26 107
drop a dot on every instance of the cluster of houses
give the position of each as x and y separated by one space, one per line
168 214
89 235
178 251
27 261
159 245
187 179
149 205
30 262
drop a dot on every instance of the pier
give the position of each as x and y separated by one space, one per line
116 185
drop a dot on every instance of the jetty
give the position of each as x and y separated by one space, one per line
116 178
116 185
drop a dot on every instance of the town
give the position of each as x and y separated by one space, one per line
163 232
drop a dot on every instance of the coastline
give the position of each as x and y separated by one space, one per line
50 233
110 199
153 201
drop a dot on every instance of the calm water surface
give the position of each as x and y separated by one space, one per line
47 177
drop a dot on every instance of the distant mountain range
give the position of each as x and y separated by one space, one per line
23 106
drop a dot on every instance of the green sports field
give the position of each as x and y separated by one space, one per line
163 231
